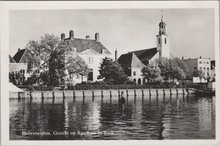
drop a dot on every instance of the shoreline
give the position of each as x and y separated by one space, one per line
98 93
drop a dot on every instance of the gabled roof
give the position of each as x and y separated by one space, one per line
146 54
11 60
84 44
18 56
130 60
137 58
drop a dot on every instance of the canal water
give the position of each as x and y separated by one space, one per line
141 118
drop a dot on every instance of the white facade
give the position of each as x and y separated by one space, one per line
136 76
163 46
162 41
93 60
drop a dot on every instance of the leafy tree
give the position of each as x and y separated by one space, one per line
38 52
57 65
16 78
198 73
112 72
172 68
60 62
152 73
76 65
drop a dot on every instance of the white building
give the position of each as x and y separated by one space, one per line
92 51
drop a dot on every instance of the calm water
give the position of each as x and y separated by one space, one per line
167 117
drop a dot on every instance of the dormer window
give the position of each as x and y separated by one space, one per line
104 51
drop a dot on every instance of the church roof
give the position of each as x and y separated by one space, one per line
145 55
130 60
84 44
11 60
18 56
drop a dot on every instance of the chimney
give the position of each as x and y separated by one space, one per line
62 36
116 55
97 37
87 37
19 49
200 57
71 34
182 58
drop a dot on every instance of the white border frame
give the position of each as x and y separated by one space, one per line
5 7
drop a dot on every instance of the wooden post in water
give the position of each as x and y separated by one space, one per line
63 95
74 94
142 91
110 95
127 92
83 92
42 95
176 91
157 92
53 95
118 94
170 91
135 93
102 94
19 96
149 92
31 95
93 95
163 92
183 91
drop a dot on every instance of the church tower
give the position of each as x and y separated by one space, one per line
162 40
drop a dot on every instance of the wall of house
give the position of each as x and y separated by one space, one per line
203 64
93 61
136 75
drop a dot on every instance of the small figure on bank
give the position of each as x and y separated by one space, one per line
122 98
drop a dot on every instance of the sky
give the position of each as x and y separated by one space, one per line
191 31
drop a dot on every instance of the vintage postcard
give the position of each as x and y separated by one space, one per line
110 73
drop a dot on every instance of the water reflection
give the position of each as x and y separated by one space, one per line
162 117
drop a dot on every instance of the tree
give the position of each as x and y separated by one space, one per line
62 63
172 68
75 65
152 73
198 73
57 65
112 72
38 52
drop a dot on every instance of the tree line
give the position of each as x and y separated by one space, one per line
49 65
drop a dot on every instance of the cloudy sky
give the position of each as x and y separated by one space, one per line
191 31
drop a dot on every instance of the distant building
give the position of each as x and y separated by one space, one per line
203 64
92 51
133 62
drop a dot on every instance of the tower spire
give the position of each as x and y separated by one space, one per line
161 14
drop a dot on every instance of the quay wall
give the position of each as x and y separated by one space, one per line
98 93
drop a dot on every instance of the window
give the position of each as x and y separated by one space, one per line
195 68
200 62
90 60
200 68
207 68
134 80
165 40
134 73
159 41
204 68
207 62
